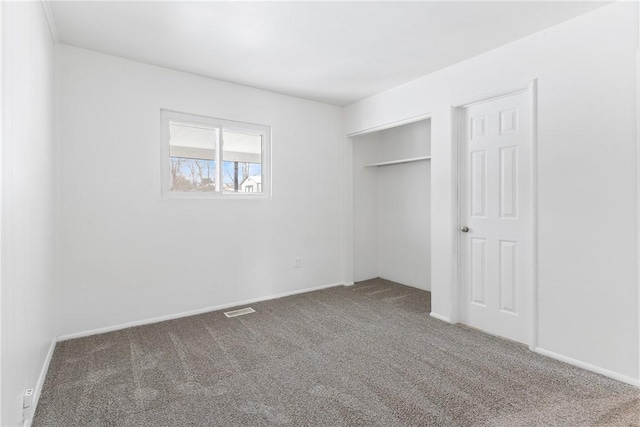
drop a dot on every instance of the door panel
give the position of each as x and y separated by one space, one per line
478 183
478 271
508 276
496 205
508 182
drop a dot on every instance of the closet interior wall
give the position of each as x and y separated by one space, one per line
392 205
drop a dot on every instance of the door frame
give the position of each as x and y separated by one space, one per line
530 88
348 239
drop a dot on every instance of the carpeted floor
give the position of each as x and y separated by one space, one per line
363 355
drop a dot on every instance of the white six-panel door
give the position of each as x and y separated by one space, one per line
496 207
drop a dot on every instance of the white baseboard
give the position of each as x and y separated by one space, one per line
40 383
349 283
589 367
440 317
190 313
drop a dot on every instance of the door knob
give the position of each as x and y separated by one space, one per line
464 229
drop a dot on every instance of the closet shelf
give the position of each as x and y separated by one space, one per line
397 162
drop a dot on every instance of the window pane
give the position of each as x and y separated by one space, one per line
192 149
242 162
192 174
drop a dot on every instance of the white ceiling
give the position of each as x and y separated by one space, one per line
333 52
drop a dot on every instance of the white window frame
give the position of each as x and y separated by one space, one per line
166 116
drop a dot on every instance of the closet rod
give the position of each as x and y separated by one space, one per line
397 162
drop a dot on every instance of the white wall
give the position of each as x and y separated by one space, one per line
365 207
404 206
27 297
392 206
586 71
128 255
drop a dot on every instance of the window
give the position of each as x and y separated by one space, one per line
207 157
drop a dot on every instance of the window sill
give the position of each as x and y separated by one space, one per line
214 196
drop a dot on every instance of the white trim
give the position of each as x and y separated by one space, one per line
219 162
493 95
390 125
398 162
440 317
455 262
530 88
533 136
40 383
347 284
589 367
3 138
638 189
48 14
190 313
210 195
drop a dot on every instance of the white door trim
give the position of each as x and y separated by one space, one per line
638 192
3 138
530 88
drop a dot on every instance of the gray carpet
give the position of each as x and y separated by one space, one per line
367 355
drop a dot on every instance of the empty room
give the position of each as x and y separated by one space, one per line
305 213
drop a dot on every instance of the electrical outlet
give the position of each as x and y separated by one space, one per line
27 401
297 262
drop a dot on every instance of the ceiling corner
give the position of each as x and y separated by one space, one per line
48 13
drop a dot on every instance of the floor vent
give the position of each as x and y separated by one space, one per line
236 313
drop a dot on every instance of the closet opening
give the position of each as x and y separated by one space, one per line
392 205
